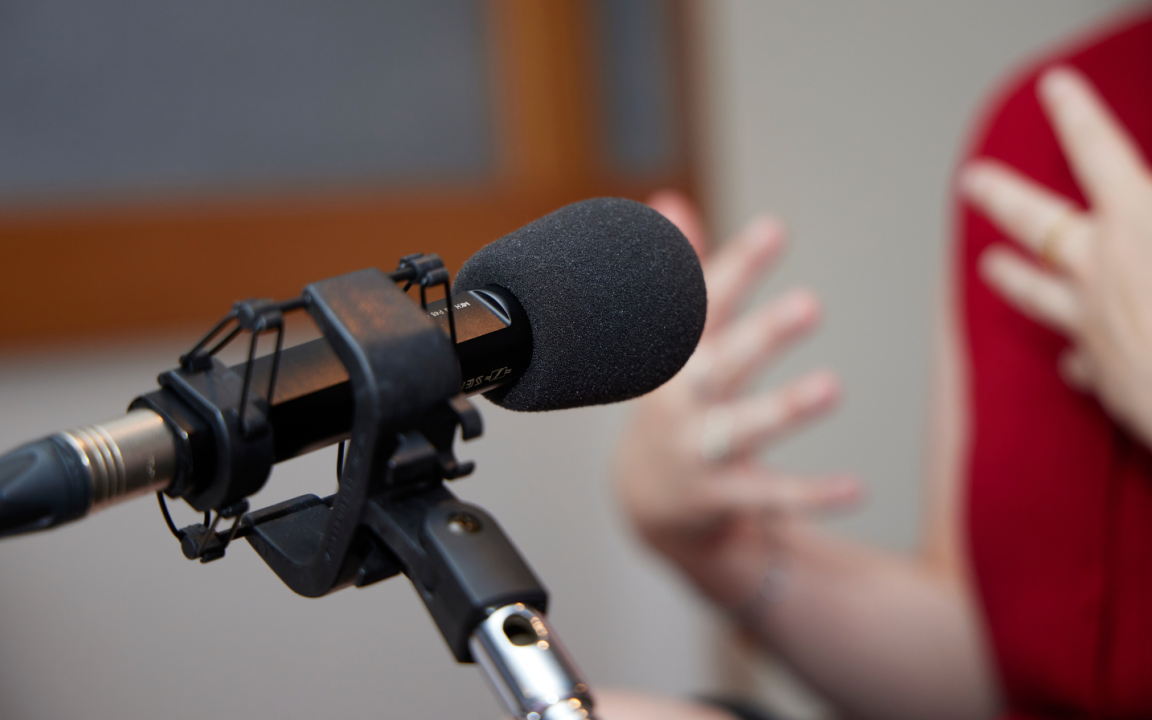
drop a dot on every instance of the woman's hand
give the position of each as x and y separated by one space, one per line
687 464
1094 277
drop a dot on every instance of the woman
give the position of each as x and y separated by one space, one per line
1030 596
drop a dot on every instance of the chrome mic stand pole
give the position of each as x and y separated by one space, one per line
528 667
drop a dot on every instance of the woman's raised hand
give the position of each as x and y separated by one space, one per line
688 466
1091 277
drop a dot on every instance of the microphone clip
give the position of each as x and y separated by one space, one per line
427 271
204 398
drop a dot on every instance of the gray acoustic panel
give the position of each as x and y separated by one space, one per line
637 69
128 96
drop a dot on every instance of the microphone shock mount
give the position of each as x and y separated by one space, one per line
392 512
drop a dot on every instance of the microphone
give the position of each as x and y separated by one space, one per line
598 302
615 296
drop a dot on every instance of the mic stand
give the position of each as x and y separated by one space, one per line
528 667
392 512
481 593
485 599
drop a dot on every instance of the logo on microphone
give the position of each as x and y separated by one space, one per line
491 377
444 311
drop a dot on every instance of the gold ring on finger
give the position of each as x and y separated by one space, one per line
1050 249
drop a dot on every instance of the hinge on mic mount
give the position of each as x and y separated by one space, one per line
425 455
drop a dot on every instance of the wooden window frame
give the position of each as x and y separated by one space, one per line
128 267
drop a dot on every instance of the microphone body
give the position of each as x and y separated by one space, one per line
71 474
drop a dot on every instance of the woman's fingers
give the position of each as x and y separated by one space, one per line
737 267
756 490
737 430
743 348
1103 157
1039 219
682 212
1040 295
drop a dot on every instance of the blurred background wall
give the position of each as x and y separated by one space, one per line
149 154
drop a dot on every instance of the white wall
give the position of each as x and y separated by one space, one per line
845 117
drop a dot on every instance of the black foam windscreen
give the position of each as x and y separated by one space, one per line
614 296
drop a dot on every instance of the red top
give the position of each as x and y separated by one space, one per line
1060 499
